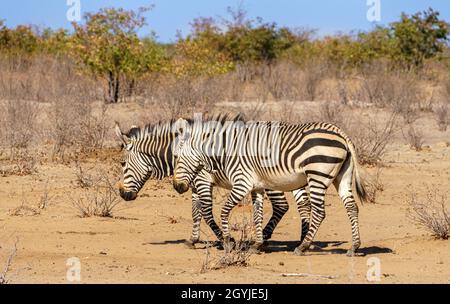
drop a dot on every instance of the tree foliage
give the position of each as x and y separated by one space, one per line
108 44
419 37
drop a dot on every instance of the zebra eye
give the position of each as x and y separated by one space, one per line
123 163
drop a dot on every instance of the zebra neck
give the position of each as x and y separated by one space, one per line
157 142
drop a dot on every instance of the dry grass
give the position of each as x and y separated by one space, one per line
431 214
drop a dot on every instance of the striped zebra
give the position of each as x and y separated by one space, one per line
272 155
148 154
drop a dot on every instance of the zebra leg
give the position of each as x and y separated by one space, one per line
196 219
317 197
236 195
204 190
279 208
343 184
258 200
304 209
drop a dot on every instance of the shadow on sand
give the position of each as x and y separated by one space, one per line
318 248
323 248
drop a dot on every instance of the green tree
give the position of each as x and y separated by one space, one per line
108 44
419 37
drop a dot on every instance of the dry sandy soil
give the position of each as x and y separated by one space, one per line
144 242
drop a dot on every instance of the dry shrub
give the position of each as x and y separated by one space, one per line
18 124
402 92
85 177
415 138
24 209
23 163
312 76
184 96
374 185
234 254
283 81
442 116
75 126
100 202
372 137
378 86
430 213
235 88
333 112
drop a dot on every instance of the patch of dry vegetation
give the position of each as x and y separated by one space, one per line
236 253
100 200
431 213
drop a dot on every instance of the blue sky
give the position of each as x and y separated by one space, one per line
168 16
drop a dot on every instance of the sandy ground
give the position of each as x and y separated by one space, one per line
144 242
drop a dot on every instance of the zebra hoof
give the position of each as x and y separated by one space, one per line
354 253
300 250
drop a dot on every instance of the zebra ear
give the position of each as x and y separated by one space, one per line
122 137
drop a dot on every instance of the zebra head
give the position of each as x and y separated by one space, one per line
137 165
190 161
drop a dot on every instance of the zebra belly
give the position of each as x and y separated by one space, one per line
285 183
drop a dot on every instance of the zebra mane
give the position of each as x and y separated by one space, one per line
164 126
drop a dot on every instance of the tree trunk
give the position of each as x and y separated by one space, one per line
113 88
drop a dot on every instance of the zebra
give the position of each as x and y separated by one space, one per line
312 154
148 154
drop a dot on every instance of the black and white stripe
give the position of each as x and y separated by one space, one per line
272 155
148 154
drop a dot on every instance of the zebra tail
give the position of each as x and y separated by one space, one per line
360 183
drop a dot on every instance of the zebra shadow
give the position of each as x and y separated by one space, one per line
323 248
169 242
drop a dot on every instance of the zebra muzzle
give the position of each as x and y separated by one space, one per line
180 187
128 195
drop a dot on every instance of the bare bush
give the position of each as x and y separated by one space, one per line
378 86
24 209
312 76
415 138
182 97
372 137
45 198
333 112
75 126
23 163
235 253
401 92
100 202
374 185
85 179
430 214
18 124
442 116
283 81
